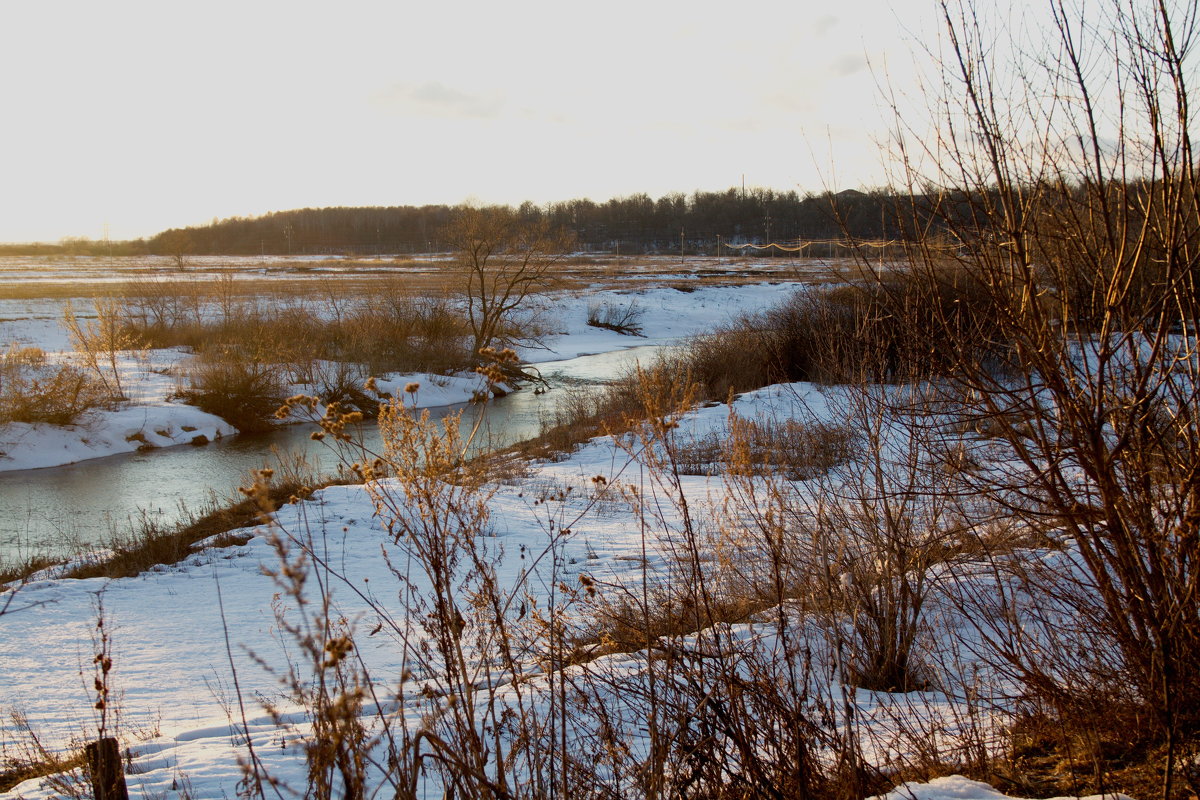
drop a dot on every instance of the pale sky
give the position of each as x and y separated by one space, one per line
149 115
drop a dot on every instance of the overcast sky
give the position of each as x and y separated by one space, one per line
147 115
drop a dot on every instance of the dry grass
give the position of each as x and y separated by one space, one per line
627 625
17 770
30 758
794 450
21 570
1052 756
582 415
300 278
386 329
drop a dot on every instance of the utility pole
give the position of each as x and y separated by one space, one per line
681 245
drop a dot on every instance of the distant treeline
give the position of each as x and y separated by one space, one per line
699 223
78 246
634 224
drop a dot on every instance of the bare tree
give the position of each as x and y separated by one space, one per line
177 244
503 262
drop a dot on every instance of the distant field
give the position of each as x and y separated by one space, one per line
35 277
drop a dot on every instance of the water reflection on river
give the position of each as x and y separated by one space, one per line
58 510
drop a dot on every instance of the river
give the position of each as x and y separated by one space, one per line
60 511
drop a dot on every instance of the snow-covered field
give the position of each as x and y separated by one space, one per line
198 648
114 271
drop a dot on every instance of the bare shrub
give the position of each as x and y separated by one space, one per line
733 358
1070 189
458 632
155 311
342 382
703 454
726 714
582 413
99 343
803 450
401 331
326 678
888 329
856 544
33 391
625 319
237 384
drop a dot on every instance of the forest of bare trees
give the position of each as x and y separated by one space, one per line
633 224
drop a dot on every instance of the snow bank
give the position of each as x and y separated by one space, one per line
956 787
106 433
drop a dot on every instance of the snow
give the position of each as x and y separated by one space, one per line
184 635
665 314
105 433
956 787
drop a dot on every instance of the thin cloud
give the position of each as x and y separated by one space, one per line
824 24
434 98
847 65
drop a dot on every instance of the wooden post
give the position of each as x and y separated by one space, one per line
104 762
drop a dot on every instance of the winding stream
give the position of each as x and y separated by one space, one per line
59 511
